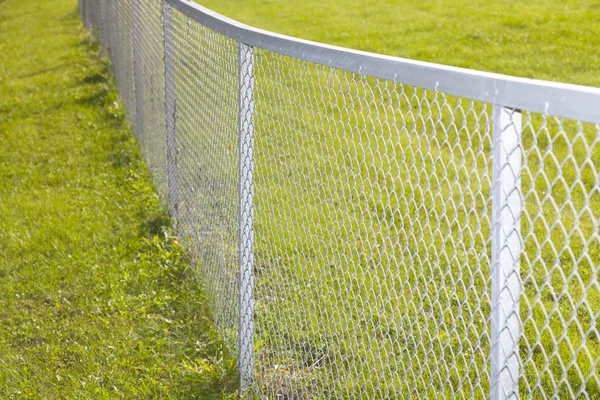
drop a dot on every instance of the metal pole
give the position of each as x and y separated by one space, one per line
107 22
91 20
86 16
138 70
101 17
506 253
171 113
246 234
113 32
116 47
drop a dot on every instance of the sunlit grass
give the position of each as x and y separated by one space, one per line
97 299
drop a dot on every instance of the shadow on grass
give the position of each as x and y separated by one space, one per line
99 81
100 77
73 15
46 70
207 369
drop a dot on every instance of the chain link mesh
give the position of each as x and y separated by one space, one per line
373 221
560 306
206 84
369 239
122 49
148 39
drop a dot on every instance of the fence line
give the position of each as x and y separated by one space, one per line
367 226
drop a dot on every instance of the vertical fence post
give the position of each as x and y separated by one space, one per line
138 82
93 10
107 21
102 25
171 113
246 234
113 32
506 252
86 16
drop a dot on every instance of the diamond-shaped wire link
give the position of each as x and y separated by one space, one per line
372 234
207 86
394 242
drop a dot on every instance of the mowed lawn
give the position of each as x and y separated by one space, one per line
554 40
97 300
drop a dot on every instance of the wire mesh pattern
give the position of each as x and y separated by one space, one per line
148 46
391 274
560 305
206 84
362 237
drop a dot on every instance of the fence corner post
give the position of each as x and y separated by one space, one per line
246 229
507 245
170 113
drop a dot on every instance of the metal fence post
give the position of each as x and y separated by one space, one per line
138 83
246 234
92 12
171 112
114 31
102 19
86 15
506 252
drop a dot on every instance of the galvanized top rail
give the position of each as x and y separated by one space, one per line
549 98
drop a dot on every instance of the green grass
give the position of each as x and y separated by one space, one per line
553 40
372 264
96 297
373 212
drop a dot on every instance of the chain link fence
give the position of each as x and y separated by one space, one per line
366 226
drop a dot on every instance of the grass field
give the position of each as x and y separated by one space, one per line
372 211
373 206
553 40
96 298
